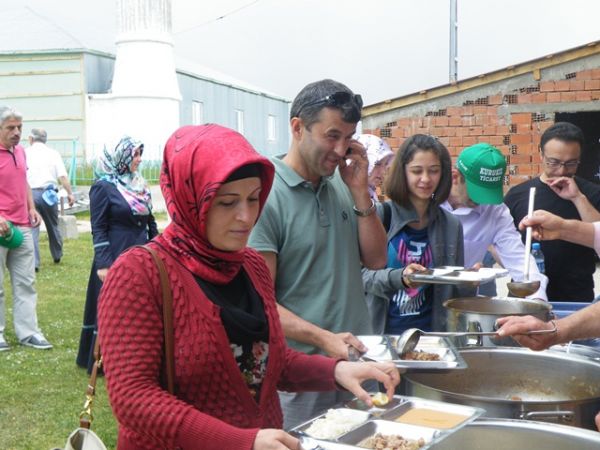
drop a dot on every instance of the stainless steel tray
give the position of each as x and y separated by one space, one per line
457 275
383 420
407 404
383 348
412 432
353 413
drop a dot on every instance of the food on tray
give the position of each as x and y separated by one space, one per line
391 442
335 423
380 399
431 418
420 355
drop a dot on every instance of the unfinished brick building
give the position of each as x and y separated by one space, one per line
509 108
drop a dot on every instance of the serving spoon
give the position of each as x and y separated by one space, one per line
409 339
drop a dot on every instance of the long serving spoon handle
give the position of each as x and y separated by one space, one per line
483 333
460 333
528 235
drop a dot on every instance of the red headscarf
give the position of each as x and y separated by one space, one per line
197 161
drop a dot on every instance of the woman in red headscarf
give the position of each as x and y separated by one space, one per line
230 352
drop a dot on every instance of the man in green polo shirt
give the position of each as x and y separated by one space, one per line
315 231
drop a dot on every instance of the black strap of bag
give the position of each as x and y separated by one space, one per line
86 417
387 215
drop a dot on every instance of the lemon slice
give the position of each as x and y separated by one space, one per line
380 399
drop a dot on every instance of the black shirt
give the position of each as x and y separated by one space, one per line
569 267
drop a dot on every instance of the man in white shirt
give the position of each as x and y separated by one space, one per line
45 168
476 200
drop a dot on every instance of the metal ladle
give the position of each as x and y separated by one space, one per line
409 339
524 288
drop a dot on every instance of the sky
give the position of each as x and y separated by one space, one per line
381 49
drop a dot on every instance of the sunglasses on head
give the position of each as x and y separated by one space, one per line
336 99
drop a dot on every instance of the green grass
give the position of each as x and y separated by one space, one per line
42 391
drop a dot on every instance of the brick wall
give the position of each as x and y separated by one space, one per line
516 135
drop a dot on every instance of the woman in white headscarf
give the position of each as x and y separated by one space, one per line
380 156
121 216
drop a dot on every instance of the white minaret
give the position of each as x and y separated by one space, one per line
145 65
144 98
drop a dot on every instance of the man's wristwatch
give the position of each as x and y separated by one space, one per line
364 212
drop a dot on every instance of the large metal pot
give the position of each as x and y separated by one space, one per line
480 314
517 383
501 434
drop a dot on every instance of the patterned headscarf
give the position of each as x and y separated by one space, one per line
197 161
378 151
115 167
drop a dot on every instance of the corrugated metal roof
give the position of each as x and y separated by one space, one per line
194 69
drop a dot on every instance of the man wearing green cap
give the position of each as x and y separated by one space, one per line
476 200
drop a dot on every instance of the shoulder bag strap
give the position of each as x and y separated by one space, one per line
86 417
387 216
167 318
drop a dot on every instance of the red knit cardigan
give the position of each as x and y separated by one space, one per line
213 408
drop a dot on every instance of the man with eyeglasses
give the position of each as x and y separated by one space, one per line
569 267
316 229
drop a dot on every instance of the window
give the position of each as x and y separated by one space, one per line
239 121
197 113
271 128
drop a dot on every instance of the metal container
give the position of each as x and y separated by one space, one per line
517 383
498 434
481 313
571 348
409 432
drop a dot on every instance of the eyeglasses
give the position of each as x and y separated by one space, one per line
553 163
340 98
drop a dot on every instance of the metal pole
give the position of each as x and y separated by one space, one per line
73 168
453 41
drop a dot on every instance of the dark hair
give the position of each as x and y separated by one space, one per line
307 105
563 131
396 186
246 171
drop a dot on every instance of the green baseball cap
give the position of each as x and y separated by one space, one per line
483 167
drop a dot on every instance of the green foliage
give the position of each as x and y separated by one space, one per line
42 391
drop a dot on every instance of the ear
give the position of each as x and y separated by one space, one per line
455 176
297 127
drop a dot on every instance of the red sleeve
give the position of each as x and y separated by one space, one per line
202 432
304 372
131 336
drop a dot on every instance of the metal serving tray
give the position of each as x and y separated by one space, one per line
457 275
360 415
383 420
376 412
383 348
407 404
413 432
